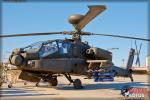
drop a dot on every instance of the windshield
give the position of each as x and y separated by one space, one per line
63 47
48 48
35 46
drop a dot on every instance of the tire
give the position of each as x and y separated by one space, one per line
9 85
125 89
131 78
25 83
77 84
37 84
53 81
1 84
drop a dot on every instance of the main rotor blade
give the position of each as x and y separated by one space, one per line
30 34
71 33
117 36
91 14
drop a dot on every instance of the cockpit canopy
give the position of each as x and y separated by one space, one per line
35 46
45 48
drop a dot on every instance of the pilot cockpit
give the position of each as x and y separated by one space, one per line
56 47
48 48
63 47
35 47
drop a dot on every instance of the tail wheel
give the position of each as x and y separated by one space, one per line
53 81
131 78
77 84
130 75
125 89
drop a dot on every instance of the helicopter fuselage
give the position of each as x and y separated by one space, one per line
58 56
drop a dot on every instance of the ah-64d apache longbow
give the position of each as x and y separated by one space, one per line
47 59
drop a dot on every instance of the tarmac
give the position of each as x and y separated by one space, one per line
63 91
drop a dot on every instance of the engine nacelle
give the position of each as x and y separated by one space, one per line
99 53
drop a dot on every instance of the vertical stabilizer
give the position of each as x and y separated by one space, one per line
130 58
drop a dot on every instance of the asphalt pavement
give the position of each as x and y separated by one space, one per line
91 90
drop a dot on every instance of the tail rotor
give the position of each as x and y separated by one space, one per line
138 54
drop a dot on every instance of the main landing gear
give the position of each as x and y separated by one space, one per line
52 80
10 85
76 83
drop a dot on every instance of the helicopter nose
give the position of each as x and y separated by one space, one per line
17 60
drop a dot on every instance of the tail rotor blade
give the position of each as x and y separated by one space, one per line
138 61
140 48
138 56
136 48
136 53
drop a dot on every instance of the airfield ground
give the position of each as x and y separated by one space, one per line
92 90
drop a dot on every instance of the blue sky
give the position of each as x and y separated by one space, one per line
120 18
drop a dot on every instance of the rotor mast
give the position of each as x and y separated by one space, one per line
76 35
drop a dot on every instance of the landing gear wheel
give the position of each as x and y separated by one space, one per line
9 85
77 84
25 83
1 84
53 81
131 78
130 75
37 84
125 89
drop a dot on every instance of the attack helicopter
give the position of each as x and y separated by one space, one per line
46 60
